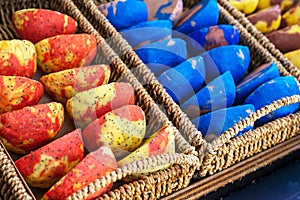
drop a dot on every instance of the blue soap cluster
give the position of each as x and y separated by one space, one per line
200 63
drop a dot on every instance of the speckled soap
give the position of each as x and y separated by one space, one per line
273 90
254 79
163 55
205 13
233 58
219 93
218 121
147 32
124 13
185 79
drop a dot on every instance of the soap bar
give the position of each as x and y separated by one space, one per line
292 16
163 55
219 93
233 58
35 24
273 90
212 37
185 79
124 13
254 79
266 20
95 165
245 6
284 4
294 57
205 13
286 39
147 32
218 121
164 9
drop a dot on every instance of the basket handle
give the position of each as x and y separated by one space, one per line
241 125
136 167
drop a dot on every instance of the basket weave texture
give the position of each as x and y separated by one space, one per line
152 186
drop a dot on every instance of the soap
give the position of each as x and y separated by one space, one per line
164 10
216 122
185 79
124 13
219 93
266 20
254 79
205 13
286 39
273 90
212 37
233 58
163 55
147 32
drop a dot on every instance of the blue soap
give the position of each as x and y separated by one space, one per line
233 58
212 37
124 13
273 90
185 79
216 122
147 32
219 93
164 9
205 13
163 55
254 79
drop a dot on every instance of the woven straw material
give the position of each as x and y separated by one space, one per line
260 37
177 176
226 150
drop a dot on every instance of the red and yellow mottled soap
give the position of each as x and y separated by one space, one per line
63 52
45 166
17 92
65 84
292 16
161 142
17 58
37 24
89 105
122 129
24 130
93 166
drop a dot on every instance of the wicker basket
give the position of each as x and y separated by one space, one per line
153 186
261 38
226 150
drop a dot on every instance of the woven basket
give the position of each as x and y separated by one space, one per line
226 150
153 186
261 38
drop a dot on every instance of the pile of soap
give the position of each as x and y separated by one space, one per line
278 20
200 63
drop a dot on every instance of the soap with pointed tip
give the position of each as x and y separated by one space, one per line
273 90
212 37
219 93
124 13
254 79
205 13
147 32
233 58
164 10
185 79
266 20
218 121
163 55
